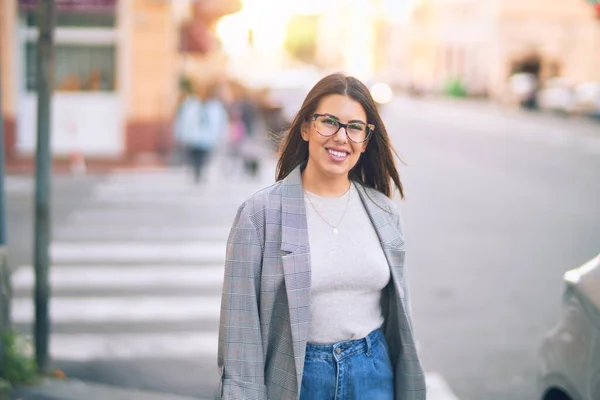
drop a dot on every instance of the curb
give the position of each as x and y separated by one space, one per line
73 389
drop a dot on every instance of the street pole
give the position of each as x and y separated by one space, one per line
3 238
43 167
5 293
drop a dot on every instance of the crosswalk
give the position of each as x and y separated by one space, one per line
137 270
148 247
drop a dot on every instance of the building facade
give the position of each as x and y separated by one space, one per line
116 71
483 42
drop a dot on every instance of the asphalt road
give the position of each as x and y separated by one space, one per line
499 205
68 193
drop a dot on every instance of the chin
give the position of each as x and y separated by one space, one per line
335 170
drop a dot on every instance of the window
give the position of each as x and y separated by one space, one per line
74 19
77 67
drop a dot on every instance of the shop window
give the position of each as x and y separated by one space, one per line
77 68
75 19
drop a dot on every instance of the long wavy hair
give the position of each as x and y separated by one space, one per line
375 167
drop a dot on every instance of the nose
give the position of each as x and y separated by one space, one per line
341 135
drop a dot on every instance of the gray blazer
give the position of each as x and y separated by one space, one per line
266 296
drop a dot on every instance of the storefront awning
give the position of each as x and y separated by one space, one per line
195 37
212 10
88 6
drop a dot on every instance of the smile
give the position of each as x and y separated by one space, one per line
337 154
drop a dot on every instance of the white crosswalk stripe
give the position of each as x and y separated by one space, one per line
18 184
122 309
143 232
144 255
127 346
99 277
142 252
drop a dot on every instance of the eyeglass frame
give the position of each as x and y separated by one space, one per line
370 127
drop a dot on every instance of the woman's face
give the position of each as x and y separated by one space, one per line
336 155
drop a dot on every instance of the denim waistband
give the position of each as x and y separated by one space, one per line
341 350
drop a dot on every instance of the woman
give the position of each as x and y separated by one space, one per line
315 303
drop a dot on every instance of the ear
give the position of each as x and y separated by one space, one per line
304 131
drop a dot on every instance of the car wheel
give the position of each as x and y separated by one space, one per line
556 394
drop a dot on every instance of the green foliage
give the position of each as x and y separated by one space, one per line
5 389
185 84
301 37
455 88
19 367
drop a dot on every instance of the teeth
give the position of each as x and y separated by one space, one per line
337 153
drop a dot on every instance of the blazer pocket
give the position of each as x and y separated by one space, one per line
240 390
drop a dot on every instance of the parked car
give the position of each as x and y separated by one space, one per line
587 99
557 95
569 357
523 87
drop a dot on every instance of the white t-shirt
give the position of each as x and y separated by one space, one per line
348 269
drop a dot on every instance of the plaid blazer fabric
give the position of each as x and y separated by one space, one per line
265 301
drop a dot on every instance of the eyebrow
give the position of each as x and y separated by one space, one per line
349 122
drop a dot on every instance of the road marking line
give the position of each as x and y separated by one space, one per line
191 199
106 253
121 309
131 215
82 347
119 277
137 233
165 186
18 184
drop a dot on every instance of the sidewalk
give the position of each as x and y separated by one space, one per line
72 389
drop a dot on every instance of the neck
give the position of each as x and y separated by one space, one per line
326 186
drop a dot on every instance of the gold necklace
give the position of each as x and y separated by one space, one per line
334 227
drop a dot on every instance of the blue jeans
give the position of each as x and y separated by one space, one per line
354 369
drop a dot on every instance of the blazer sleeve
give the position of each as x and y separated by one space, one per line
240 353
407 301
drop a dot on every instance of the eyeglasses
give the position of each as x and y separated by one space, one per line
327 125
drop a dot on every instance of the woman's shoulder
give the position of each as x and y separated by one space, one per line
380 199
265 198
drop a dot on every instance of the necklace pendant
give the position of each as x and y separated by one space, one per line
335 231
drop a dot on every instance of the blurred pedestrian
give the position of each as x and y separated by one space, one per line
315 303
200 125
244 145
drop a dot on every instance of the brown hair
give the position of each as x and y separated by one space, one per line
375 167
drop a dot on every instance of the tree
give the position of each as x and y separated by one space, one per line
301 37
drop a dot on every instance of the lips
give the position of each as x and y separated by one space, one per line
337 154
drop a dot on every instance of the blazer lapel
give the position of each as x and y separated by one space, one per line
392 243
296 264
390 238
